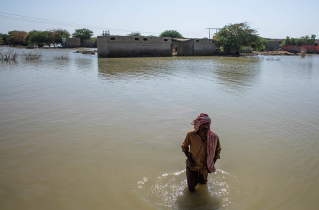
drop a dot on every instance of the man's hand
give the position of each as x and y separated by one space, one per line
191 162
189 157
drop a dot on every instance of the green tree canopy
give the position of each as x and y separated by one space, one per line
171 33
84 34
58 34
27 39
41 37
234 37
1 40
4 38
287 41
17 37
135 33
304 40
94 39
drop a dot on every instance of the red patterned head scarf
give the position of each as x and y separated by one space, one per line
211 140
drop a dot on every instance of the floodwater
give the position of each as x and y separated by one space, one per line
89 133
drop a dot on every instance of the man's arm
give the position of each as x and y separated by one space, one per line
218 149
189 157
185 149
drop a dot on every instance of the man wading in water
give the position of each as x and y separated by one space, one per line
204 151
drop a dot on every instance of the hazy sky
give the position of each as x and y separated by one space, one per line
272 19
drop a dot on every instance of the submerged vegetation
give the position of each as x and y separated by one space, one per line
61 57
33 55
7 55
303 52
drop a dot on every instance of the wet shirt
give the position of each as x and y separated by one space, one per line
198 149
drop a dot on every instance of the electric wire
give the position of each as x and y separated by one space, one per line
4 15
10 16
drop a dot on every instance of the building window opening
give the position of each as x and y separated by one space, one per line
112 38
145 39
137 38
197 40
165 40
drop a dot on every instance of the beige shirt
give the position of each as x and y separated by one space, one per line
198 149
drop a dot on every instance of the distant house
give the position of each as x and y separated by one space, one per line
136 46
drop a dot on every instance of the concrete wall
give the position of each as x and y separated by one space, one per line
184 48
89 44
204 47
72 42
133 46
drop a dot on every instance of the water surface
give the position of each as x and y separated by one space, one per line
89 133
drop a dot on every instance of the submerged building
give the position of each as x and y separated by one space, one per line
139 46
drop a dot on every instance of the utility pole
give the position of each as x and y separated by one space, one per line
212 28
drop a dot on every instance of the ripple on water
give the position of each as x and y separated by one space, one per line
170 191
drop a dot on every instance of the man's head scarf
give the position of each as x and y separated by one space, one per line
211 140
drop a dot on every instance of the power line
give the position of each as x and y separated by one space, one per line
40 20
10 16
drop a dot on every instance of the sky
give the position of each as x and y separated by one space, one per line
271 19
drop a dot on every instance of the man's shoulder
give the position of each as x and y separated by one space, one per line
191 133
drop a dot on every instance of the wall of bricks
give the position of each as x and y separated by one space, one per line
138 46
133 46
204 47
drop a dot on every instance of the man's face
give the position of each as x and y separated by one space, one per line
204 127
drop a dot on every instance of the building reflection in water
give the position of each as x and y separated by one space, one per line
232 73
237 74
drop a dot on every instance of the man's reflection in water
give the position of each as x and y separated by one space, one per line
202 199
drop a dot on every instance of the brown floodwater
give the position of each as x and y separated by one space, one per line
89 133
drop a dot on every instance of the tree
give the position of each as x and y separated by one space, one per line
41 37
58 34
312 39
299 41
83 34
136 33
293 41
1 40
304 40
287 41
4 38
234 37
17 37
94 39
171 33
27 39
